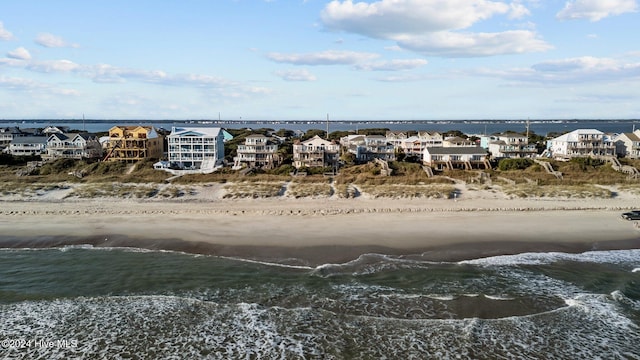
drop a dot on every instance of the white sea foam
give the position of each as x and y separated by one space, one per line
369 263
609 256
636 269
499 297
177 327
441 297
267 263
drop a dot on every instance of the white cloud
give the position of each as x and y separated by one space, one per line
4 33
53 41
390 18
455 44
329 57
392 65
66 92
596 10
12 62
53 66
20 54
19 83
434 27
585 69
585 63
518 11
296 75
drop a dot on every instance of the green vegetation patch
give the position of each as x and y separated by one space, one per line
114 190
585 191
310 189
437 191
253 190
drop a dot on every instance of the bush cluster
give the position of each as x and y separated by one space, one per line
514 164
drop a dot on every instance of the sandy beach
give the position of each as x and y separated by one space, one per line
320 230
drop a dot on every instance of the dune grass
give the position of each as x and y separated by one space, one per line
253 190
585 191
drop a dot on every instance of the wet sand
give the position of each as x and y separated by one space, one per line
304 231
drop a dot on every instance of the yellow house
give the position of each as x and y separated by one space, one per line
133 143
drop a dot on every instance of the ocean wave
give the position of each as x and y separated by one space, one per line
544 258
370 263
178 327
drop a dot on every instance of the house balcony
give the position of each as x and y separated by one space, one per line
518 149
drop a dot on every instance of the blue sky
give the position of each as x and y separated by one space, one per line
295 59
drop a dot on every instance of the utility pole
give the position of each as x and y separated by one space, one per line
327 127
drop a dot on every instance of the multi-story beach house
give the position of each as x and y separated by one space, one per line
457 157
316 152
581 143
133 143
396 138
7 134
72 146
628 144
369 147
508 145
258 151
457 141
195 148
27 145
415 145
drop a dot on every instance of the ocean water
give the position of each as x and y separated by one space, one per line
541 127
98 303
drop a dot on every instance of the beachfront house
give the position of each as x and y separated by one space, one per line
457 141
27 145
415 145
72 146
195 148
316 152
133 143
582 143
508 145
628 145
369 147
7 134
258 151
457 157
396 138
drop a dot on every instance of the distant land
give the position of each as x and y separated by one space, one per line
258 121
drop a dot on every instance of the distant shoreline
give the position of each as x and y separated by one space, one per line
317 121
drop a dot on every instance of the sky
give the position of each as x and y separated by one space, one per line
311 59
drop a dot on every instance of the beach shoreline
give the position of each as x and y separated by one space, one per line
312 232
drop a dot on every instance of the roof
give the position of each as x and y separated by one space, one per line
30 140
195 131
632 136
510 134
317 139
575 134
465 150
60 136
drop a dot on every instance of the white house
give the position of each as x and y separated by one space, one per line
508 145
316 152
73 146
258 151
457 157
28 145
628 144
195 148
369 147
582 142
7 134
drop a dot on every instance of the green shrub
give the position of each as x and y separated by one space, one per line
514 164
